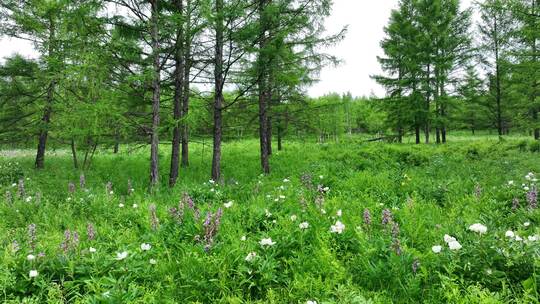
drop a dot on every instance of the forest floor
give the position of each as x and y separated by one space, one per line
347 222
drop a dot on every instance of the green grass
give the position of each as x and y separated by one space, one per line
430 190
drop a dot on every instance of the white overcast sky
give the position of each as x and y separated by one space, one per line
358 51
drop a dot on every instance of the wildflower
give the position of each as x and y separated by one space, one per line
510 183
338 227
436 249
154 221
251 256
533 238
71 187
145 247
90 232
489 271
282 196
532 197
130 189
286 180
518 238
120 205
92 250
243 238
15 246
454 245
304 225
477 190
33 273
448 238
211 181
267 213
121 255
323 211
135 206
9 198
311 301
515 204
267 242
28 199
339 213
32 236
526 224
66 242
479 228
30 257
21 192
509 234
386 217
153 262
228 204
367 217
82 181
109 188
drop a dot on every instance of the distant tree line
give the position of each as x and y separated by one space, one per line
440 69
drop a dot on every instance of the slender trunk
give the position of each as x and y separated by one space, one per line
154 138
218 92
279 137
177 98
264 91
116 142
498 82
46 118
417 133
438 134
187 81
427 105
74 154
535 80
269 133
443 127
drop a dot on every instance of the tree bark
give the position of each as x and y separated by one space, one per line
264 90
218 92
417 133
279 138
177 98
269 133
74 154
154 137
46 118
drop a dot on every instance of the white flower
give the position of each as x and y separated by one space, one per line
28 199
326 189
323 211
267 242
526 224
448 238
436 248
135 206
111 193
454 245
281 187
251 256
228 204
153 262
30 257
339 213
92 249
304 225
282 196
293 217
533 238
33 273
321 177
267 213
479 228
243 238
121 205
286 180
509 234
311 301
145 247
212 190
510 183
106 294
211 181
14 185
489 271
526 188
121 255
338 227
518 238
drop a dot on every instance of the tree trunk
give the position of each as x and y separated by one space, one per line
74 154
187 81
154 137
46 118
438 134
264 90
269 133
218 92
417 133
177 98
427 105
279 137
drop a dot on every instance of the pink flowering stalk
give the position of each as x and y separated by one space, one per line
211 226
90 232
71 187
9 198
32 239
532 197
154 221
386 217
82 181
21 192
367 217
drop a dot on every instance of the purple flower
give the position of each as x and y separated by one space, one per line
90 232
415 265
515 204
154 221
71 187
186 199
32 236
532 197
109 188
15 246
66 242
9 198
21 192
367 217
82 181
386 217
477 191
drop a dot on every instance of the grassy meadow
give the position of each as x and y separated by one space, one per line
337 222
